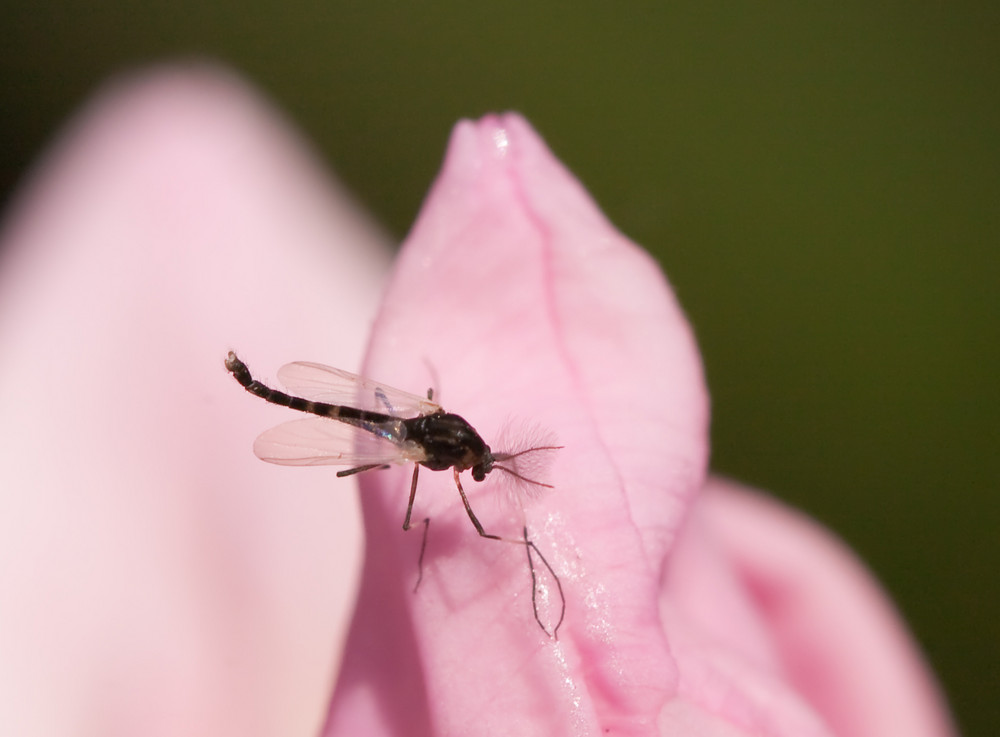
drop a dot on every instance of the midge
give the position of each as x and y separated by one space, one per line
405 428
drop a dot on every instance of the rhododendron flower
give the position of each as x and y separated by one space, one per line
180 223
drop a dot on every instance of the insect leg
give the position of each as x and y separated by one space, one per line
380 396
360 469
472 515
529 546
413 494
427 524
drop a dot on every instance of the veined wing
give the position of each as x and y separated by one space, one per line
316 441
335 386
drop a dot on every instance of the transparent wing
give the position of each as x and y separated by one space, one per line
335 386
316 441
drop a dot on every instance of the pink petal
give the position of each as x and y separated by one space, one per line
771 613
155 578
514 296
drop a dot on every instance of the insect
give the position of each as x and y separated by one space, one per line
375 426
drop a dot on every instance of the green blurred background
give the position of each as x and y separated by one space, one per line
822 186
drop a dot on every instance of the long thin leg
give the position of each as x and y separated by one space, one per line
472 515
360 469
413 494
380 396
529 546
427 524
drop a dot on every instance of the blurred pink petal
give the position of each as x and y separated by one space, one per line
514 297
155 578
755 586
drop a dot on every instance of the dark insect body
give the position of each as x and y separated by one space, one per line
431 437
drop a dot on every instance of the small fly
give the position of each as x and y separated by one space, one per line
376 426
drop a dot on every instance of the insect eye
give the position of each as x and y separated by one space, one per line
478 473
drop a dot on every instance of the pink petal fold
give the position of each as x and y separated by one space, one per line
758 595
515 297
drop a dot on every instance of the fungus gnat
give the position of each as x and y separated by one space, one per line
374 426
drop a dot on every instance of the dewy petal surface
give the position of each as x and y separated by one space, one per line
514 297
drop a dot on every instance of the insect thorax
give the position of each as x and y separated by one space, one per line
449 441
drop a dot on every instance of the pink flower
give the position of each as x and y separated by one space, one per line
690 610
156 578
